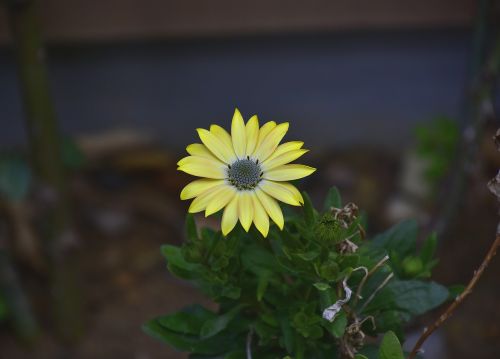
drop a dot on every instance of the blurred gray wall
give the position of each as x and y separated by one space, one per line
335 89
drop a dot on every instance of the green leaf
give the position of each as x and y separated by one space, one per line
429 249
389 320
309 211
216 325
360 356
370 351
230 291
15 178
390 348
401 238
263 281
333 199
174 256
258 260
417 297
188 321
191 231
190 343
287 332
322 286
176 263
337 327
308 256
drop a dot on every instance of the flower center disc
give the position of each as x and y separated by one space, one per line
244 174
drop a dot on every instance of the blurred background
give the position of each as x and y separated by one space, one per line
395 99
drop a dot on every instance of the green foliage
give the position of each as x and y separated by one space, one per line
275 290
437 143
390 348
400 243
15 178
333 199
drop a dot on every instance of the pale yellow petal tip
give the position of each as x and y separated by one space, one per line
209 213
237 115
181 162
263 232
226 231
193 210
286 125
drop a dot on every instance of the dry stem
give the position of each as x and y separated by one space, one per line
449 311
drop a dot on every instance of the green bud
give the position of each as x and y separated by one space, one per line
329 229
412 266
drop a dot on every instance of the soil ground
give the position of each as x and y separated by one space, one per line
124 215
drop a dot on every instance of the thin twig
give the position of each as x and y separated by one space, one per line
449 311
365 278
379 288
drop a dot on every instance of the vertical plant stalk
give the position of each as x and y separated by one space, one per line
476 111
46 157
22 317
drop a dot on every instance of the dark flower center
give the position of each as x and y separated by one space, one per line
244 174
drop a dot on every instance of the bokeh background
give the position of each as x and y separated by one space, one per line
395 100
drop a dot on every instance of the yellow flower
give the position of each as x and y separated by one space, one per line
245 173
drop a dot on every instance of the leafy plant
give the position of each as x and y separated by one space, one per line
437 143
316 289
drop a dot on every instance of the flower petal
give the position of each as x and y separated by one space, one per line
230 215
197 149
280 192
204 199
271 206
252 132
199 186
224 196
238 134
264 131
285 158
245 210
296 193
215 145
271 141
225 138
202 167
260 217
285 147
288 172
